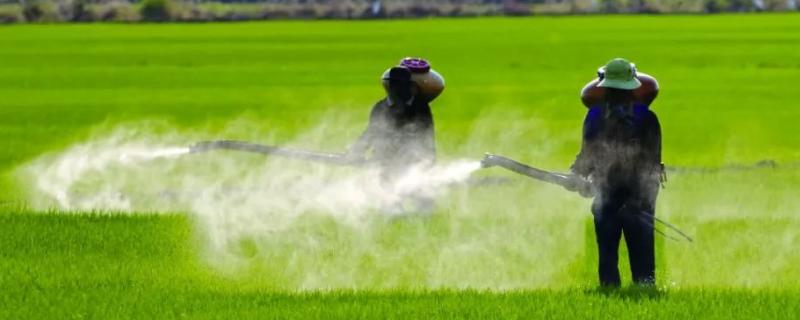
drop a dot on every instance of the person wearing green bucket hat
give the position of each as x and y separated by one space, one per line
619 74
621 156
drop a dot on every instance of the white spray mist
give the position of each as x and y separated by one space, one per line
233 195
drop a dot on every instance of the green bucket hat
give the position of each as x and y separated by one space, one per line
620 74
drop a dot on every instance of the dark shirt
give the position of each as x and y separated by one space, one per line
621 152
399 136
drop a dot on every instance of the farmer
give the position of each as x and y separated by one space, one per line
400 133
621 157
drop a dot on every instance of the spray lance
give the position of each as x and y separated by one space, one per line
323 157
570 182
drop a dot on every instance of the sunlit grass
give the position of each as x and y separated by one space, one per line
728 97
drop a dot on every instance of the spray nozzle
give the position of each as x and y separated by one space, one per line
489 160
202 146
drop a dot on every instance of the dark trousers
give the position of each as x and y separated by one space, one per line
614 217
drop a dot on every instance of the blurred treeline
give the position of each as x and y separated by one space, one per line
12 11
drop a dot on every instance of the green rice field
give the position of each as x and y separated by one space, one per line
513 248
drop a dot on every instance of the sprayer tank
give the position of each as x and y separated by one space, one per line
429 82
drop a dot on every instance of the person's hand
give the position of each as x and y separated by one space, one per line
581 185
586 190
587 187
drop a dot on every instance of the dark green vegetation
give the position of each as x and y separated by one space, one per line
729 96
49 11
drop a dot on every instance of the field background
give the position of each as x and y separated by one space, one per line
729 97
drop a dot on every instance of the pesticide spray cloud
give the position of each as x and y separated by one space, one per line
67 170
231 195
292 224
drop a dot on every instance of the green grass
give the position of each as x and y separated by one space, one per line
144 267
728 96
